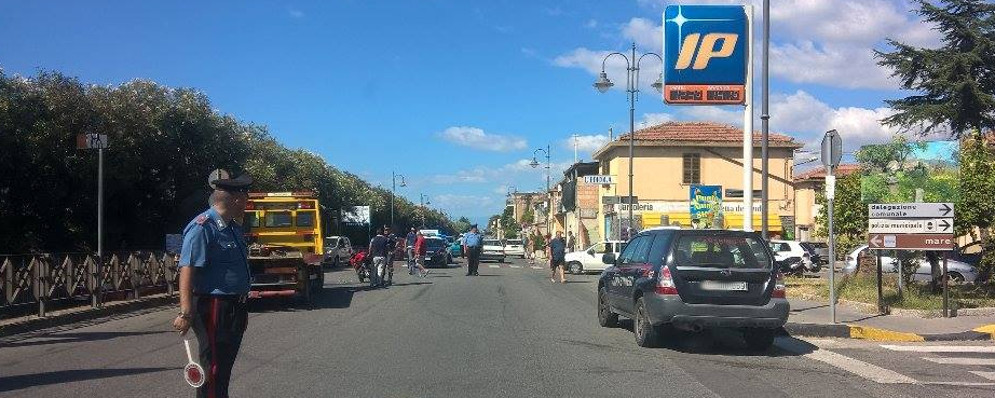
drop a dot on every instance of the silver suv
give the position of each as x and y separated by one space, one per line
694 279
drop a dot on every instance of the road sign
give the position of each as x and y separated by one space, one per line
832 149
599 180
910 210
705 54
91 141
910 226
940 242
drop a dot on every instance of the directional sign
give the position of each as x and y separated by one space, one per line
910 226
599 180
939 242
91 141
910 210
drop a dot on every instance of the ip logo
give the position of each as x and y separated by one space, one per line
705 45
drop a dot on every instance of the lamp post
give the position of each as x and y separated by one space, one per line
423 199
603 84
393 187
549 198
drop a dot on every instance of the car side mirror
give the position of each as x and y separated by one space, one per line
608 258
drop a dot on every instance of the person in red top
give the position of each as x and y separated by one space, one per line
421 249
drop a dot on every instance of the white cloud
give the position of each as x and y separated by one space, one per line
656 118
586 143
460 203
645 33
591 23
476 138
295 13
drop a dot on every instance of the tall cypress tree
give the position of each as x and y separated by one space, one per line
954 85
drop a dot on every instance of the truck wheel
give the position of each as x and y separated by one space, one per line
319 283
305 285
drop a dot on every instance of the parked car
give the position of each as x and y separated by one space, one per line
960 272
970 253
514 247
492 250
819 251
338 250
456 249
785 250
437 252
590 260
694 279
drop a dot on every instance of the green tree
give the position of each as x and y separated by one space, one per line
975 214
954 85
849 215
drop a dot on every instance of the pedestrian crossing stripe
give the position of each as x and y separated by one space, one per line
986 375
536 267
963 361
941 348
494 266
515 266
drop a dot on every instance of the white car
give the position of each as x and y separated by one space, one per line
787 249
590 260
514 247
492 250
960 272
338 250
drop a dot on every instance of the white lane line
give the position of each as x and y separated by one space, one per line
493 266
536 267
941 348
857 367
986 375
963 361
515 266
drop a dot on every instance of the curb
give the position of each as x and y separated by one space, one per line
34 323
845 331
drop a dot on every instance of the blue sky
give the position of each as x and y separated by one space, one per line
454 95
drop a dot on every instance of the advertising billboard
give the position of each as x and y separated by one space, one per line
706 53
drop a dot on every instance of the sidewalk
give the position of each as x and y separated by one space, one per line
811 318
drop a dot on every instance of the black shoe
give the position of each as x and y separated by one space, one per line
476 274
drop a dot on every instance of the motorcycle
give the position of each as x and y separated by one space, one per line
792 266
361 262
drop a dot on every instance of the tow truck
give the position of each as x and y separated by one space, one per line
285 245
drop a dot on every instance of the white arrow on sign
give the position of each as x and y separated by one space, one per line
910 225
910 210
876 240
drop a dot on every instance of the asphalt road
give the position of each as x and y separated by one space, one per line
507 333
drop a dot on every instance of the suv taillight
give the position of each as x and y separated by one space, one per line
665 284
779 288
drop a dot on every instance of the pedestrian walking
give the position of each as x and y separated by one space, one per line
391 245
571 242
378 249
472 245
527 246
556 252
421 250
214 283
409 250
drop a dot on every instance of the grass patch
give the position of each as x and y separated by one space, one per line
863 288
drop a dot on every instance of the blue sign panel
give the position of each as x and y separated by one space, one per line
705 51
706 206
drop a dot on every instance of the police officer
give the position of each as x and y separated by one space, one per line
214 282
472 246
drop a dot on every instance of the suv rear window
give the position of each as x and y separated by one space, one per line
721 252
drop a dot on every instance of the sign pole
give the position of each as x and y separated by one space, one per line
97 297
831 196
765 127
748 126
946 291
880 289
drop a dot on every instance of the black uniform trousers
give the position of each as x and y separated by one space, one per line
219 325
473 259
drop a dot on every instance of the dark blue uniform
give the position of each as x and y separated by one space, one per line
216 249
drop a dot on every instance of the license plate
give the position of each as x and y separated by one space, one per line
428 258
724 286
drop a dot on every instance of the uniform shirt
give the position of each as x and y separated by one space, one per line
410 241
217 249
378 246
557 247
472 239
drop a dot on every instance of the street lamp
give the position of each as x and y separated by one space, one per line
603 84
549 198
393 187
423 199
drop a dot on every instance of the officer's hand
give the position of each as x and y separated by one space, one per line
181 325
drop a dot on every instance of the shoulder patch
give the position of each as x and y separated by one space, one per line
201 219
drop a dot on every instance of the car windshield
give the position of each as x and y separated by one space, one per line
721 251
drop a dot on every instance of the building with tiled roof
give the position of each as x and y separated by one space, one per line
670 158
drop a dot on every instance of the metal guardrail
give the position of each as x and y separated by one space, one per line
72 278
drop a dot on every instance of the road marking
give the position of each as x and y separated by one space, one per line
515 266
963 361
987 375
941 348
536 267
860 368
493 266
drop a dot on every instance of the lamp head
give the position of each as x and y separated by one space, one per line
535 163
603 84
658 84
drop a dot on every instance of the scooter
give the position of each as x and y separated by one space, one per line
361 262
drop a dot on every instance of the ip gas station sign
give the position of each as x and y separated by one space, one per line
706 51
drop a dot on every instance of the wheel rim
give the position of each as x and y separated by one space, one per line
956 278
602 307
640 323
